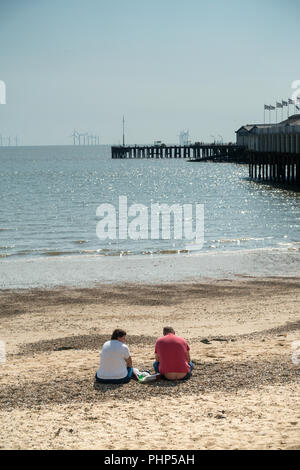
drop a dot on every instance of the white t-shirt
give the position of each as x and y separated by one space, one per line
112 360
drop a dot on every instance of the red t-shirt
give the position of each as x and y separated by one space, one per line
172 353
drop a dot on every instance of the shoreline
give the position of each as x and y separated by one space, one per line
89 271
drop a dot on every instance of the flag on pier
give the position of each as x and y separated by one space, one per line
268 107
291 102
279 105
284 103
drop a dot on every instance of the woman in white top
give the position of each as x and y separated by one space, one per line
115 360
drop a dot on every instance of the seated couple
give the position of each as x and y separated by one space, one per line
172 358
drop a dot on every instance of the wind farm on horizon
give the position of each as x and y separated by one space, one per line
87 139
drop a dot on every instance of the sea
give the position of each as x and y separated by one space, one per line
49 214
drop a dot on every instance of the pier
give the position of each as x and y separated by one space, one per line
273 151
195 152
275 167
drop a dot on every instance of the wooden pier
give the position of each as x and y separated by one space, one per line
273 151
275 167
194 153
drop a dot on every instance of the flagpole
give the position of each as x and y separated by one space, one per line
123 131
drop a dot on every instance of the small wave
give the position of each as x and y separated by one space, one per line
167 252
119 253
39 252
290 245
64 253
80 242
242 239
54 253
26 252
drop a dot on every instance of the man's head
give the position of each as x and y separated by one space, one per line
168 330
119 335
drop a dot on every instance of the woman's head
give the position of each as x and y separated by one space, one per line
119 335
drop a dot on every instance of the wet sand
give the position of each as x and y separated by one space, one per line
89 270
244 393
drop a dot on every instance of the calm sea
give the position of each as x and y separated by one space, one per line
49 197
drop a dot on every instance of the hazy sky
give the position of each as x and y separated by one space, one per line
167 65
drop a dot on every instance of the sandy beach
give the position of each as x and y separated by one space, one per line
244 393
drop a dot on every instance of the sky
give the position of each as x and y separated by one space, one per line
166 65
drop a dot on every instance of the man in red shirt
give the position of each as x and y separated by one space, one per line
172 356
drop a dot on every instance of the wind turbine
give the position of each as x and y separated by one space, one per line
84 136
75 136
